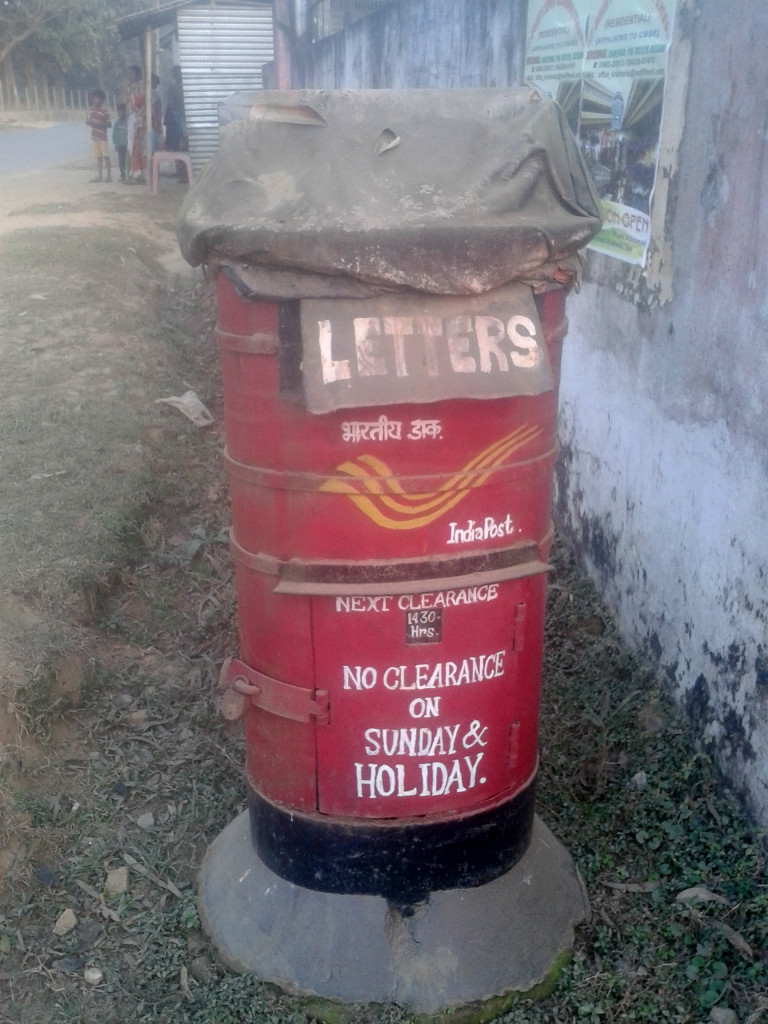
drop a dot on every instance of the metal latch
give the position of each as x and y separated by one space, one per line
243 685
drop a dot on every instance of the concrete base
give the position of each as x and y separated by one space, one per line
463 948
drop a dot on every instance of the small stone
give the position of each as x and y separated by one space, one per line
65 924
202 969
117 882
137 718
723 1015
638 782
93 976
146 821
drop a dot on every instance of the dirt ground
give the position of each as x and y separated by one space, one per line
114 581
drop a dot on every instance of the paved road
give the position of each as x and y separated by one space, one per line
38 149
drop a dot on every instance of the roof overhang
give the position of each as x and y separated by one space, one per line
154 17
165 14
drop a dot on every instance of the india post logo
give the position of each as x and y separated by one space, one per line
373 487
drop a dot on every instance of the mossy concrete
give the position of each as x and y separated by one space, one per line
465 955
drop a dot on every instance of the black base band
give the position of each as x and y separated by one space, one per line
403 863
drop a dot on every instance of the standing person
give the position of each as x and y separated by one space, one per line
120 139
135 101
99 122
175 141
157 114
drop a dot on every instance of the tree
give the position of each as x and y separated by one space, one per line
20 19
63 40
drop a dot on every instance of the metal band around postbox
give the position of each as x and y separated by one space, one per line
248 344
285 480
407 576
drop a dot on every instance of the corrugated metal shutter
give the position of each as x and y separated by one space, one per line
221 51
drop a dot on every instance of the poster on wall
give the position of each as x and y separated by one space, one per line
604 62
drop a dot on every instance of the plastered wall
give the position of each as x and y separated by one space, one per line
662 482
444 44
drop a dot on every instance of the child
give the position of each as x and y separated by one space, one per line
99 122
120 139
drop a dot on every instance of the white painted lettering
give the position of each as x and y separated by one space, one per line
399 327
490 331
370 782
386 780
472 767
457 330
405 346
372 744
424 676
364 604
401 790
333 369
531 354
471 532
430 329
424 428
360 677
370 362
454 779
450 598
439 778
424 707
451 732
392 676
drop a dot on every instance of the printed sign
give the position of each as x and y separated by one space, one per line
604 61
428 717
424 627
407 349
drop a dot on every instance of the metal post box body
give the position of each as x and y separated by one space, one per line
423 640
391 272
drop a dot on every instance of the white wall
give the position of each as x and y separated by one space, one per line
669 516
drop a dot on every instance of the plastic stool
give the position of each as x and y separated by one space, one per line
164 156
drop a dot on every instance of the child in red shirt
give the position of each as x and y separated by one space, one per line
99 122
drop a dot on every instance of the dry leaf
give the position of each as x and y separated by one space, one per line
700 894
184 983
737 941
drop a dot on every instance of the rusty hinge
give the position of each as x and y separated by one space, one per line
243 685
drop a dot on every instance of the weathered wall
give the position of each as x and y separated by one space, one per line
663 478
664 472
439 44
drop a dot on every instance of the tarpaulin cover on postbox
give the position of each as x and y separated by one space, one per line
453 192
412 226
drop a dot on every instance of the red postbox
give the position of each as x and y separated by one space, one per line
390 375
